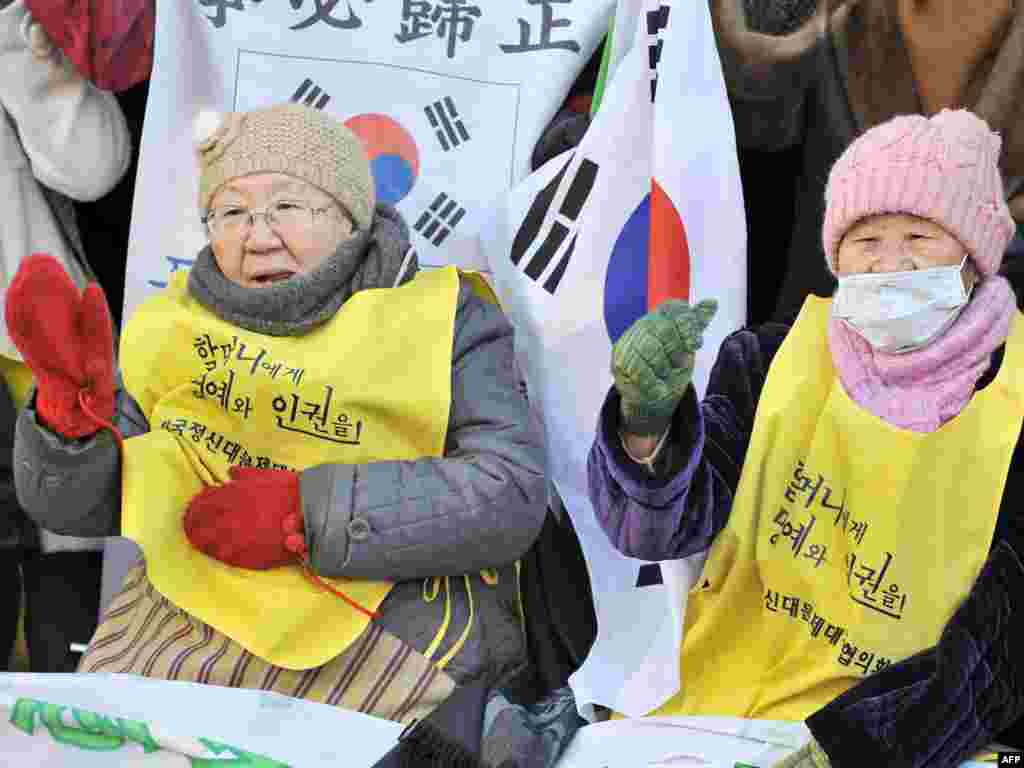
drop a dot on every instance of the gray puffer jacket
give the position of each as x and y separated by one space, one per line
476 509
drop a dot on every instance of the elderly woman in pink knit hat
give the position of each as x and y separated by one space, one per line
853 478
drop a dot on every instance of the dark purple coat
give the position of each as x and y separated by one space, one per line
932 710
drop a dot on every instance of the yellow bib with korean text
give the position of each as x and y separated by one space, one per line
850 543
372 384
18 378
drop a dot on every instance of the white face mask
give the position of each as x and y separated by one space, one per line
901 311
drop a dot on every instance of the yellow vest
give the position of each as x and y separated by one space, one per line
850 543
372 384
18 380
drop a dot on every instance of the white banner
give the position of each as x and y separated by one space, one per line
110 721
684 742
572 254
692 742
450 97
126 721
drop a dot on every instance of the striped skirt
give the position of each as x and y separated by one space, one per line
145 634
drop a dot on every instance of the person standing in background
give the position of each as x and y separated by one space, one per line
814 76
110 44
61 139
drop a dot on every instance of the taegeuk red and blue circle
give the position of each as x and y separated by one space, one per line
649 263
394 156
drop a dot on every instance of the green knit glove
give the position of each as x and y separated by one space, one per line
652 363
810 755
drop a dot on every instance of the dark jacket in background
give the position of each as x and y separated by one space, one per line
105 224
808 109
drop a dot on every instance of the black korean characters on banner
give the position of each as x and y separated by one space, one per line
220 9
548 23
451 22
323 11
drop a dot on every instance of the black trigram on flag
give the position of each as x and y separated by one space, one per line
656 23
447 125
438 221
529 232
310 95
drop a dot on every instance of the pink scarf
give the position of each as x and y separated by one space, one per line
922 390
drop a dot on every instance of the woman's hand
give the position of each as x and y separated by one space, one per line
67 340
652 364
252 521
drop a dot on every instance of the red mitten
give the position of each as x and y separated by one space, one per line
252 521
67 340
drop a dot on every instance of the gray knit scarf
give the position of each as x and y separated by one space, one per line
293 307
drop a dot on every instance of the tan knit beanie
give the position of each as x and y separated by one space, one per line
287 138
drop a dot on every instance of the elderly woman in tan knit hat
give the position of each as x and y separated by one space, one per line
856 479
327 458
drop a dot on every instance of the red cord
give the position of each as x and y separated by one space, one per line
306 569
83 398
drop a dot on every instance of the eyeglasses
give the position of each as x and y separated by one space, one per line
283 217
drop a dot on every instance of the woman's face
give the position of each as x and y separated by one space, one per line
309 227
897 242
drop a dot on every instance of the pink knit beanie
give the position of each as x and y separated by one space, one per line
943 168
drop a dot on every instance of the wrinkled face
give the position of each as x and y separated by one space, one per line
897 242
305 226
